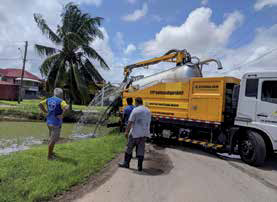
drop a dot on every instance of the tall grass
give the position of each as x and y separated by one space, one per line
29 176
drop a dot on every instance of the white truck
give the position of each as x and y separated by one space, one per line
256 119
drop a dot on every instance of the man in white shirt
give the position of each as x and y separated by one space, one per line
137 130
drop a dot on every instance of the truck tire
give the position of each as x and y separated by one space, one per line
252 148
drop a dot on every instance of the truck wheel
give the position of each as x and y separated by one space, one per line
252 149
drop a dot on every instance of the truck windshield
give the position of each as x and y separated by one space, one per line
269 91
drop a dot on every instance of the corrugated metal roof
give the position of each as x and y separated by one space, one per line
16 73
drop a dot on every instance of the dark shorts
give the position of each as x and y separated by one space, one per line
54 133
139 142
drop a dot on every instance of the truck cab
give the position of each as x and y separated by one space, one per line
256 116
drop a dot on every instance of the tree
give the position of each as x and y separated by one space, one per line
68 64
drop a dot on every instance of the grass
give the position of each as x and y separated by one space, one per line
28 109
29 106
34 104
29 176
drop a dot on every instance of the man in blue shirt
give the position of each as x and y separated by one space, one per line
127 110
55 108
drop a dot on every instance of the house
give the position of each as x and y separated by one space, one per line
8 91
11 78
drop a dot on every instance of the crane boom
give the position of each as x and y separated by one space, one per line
180 57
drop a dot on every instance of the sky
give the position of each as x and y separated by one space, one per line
242 34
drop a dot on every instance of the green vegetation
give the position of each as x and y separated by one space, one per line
27 105
28 109
70 66
29 176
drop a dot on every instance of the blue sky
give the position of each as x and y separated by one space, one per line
160 14
238 32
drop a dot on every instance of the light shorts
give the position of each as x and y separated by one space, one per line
54 133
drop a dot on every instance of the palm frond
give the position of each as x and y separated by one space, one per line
80 83
57 73
46 29
90 21
52 77
61 74
91 53
89 28
70 18
45 50
92 71
73 20
48 63
74 37
73 41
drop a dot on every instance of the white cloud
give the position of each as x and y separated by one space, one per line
119 41
260 4
204 2
103 47
116 64
137 14
15 29
198 34
130 48
258 55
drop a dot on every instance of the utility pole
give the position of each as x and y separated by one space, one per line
102 96
22 73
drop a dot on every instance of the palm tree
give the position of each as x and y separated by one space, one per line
68 64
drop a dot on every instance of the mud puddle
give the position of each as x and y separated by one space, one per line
84 136
8 146
156 162
12 145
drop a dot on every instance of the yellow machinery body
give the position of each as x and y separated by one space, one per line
200 99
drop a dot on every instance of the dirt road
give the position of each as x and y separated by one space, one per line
188 175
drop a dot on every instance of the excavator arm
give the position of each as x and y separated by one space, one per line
175 56
180 57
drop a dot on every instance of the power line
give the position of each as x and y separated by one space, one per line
10 58
36 59
258 58
11 41
252 61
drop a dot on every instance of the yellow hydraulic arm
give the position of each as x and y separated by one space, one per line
177 56
180 57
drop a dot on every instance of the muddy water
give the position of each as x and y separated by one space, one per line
12 145
17 136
